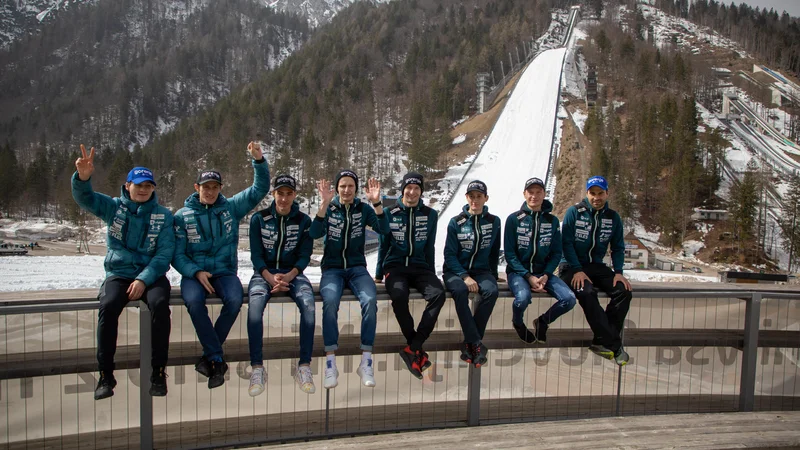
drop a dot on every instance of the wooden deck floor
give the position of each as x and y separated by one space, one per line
697 431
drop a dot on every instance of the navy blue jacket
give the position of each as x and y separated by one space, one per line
343 229
280 242
473 243
587 234
410 239
532 241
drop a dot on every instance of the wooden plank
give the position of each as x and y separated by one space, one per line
649 289
373 419
21 365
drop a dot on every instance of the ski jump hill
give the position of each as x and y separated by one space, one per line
518 147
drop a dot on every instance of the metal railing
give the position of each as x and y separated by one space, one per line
693 349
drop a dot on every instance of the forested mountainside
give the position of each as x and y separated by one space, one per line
771 36
118 73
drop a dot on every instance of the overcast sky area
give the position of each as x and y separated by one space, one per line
790 6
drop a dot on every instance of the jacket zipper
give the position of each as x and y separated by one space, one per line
346 233
410 234
594 236
281 234
535 241
475 245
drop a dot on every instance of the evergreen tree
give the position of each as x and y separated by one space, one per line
11 181
790 222
744 201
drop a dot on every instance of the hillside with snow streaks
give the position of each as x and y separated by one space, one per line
519 146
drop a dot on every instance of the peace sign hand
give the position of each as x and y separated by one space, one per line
85 164
373 190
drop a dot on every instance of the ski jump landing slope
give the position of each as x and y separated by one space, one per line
517 148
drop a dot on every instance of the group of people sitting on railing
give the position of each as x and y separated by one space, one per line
201 240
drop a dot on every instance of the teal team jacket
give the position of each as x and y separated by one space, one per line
140 238
207 236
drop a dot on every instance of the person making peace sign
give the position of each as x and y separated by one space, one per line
140 245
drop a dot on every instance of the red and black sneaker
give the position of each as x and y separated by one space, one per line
480 355
424 362
467 351
411 359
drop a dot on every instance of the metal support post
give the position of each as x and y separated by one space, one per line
327 410
145 354
747 384
473 384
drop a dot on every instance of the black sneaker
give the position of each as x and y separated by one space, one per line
410 358
217 378
158 382
203 367
105 386
423 361
466 352
540 330
480 355
524 333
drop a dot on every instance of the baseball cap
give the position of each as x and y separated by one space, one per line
209 175
534 182
284 181
477 185
139 175
598 181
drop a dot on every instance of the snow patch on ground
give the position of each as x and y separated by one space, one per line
691 247
37 273
579 117
669 277
460 139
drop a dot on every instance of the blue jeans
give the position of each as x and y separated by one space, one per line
565 298
473 327
330 288
301 292
229 289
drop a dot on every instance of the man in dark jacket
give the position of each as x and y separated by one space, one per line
408 260
280 249
206 245
471 256
342 219
589 227
140 246
533 252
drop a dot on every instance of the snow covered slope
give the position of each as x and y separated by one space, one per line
518 147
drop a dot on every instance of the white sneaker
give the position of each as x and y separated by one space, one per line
305 380
366 372
331 376
257 381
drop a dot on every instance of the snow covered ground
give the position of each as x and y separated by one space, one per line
38 273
